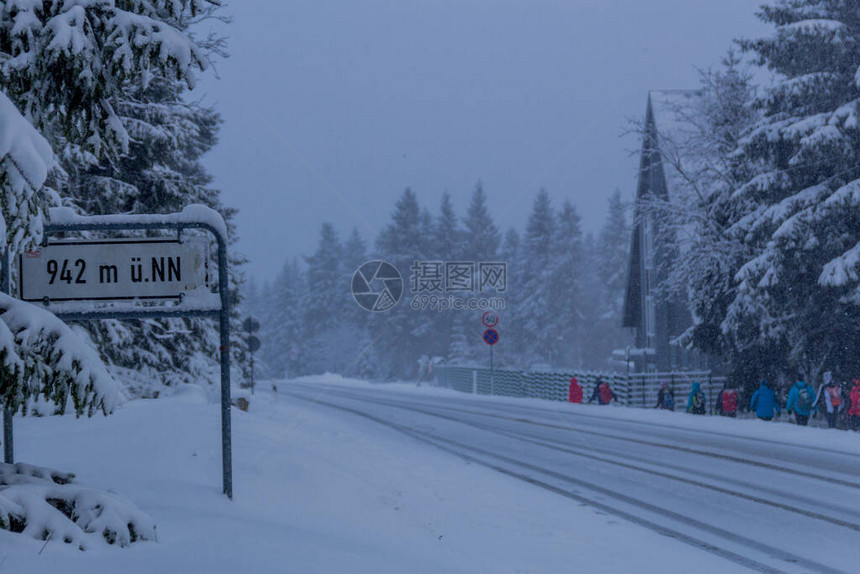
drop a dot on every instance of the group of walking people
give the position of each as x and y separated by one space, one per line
836 402
803 401
833 400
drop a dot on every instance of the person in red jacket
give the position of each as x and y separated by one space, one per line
575 393
854 406
602 393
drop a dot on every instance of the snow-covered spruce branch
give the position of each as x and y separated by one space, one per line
79 56
41 356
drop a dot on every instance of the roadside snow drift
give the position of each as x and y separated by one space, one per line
315 491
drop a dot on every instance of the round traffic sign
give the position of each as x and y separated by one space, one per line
253 343
490 319
251 325
491 337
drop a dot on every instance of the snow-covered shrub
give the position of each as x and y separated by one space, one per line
48 505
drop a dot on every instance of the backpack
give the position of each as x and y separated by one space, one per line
730 401
699 402
835 396
804 399
855 401
605 393
668 399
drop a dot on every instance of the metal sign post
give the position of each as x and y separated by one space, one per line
491 336
64 276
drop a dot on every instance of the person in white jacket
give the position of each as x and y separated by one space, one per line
830 394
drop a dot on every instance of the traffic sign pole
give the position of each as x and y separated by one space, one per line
491 336
492 373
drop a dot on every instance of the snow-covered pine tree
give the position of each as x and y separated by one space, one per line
254 299
563 335
461 351
511 352
426 329
448 235
281 319
354 252
799 291
360 351
127 139
479 243
605 281
259 301
481 238
447 241
326 296
80 56
594 353
534 307
613 248
395 332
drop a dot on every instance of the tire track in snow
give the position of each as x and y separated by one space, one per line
604 435
562 446
457 448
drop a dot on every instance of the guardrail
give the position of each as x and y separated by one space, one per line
634 389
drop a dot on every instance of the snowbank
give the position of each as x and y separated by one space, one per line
46 504
316 491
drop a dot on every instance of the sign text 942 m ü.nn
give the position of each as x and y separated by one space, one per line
113 270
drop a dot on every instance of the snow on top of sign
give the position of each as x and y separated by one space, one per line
194 213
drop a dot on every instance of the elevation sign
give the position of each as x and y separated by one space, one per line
113 270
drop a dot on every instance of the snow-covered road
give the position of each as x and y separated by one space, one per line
766 503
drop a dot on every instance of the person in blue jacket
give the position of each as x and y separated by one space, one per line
800 400
764 402
696 400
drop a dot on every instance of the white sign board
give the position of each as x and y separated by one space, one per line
113 270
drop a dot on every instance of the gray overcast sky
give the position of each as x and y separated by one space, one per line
331 109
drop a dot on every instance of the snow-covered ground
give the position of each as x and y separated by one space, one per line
323 490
